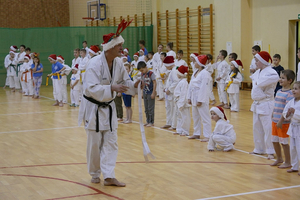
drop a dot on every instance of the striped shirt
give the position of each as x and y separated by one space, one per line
281 99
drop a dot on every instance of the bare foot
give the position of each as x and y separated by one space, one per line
233 111
270 156
176 133
56 104
226 107
146 124
204 140
161 99
184 135
150 125
95 180
213 102
194 137
166 126
61 104
276 163
255 153
285 165
211 150
113 182
128 122
291 170
13 90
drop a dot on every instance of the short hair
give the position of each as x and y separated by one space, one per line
180 51
160 45
164 54
234 56
77 49
84 42
83 50
223 53
209 56
27 49
127 65
297 83
277 56
151 52
22 45
170 44
256 48
290 74
141 65
142 42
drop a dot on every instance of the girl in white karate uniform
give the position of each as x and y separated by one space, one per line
198 97
233 85
210 68
223 135
64 81
193 56
170 50
180 95
26 77
292 111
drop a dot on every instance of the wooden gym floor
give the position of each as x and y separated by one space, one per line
42 156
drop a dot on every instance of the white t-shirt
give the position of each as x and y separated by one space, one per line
74 78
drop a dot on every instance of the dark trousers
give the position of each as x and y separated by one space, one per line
149 108
119 107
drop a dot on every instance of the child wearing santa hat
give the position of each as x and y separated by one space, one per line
223 135
126 53
10 63
171 84
75 86
26 77
57 68
198 97
193 56
64 81
222 73
93 51
264 81
233 85
180 96
210 68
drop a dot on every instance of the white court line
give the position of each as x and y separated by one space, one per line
47 98
35 112
46 129
199 140
254 192
10 102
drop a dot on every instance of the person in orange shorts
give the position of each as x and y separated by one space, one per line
280 126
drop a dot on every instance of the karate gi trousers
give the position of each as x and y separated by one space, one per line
201 116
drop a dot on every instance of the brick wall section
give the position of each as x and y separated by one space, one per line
34 13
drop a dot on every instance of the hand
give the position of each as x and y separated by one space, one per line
49 75
199 103
279 125
136 84
218 78
168 92
72 87
189 101
119 88
119 94
153 95
290 111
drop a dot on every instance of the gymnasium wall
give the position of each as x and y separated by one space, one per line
34 13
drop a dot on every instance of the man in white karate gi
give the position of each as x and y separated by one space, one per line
105 76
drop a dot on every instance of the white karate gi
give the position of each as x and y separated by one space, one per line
223 71
20 60
150 65
26 76
298 73
156 65
234 91
264 83
199 92
64 82
210 68
193 67
180 62
223 135
170 104
253 65
11 67
294 132
102 147
161 83
171 53
82 66
74 93
184 116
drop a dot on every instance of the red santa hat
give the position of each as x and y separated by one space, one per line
201 60
94 49
237 63
60 58
27 57
219 111
143 50
126 50
194 55
169 61
11 51
182 70
112 39
52 57
124 57
136 54
263 57
75 67
13 48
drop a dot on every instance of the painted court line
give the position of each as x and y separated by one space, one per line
46 129
254 192
11 102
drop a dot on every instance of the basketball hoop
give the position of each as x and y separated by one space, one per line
88 18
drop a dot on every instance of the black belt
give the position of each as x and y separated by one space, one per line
102 105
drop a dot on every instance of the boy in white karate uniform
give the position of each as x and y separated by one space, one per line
134 71
223 71
193 57
180 96
162 77
20 59
64 81
198 97
210 68
223 134
93 51
169 90
75 87
26 77
10 63
264 81
156 65
255 50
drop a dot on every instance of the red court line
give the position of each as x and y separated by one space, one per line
142 162
59 179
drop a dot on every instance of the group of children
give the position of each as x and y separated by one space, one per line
24 71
